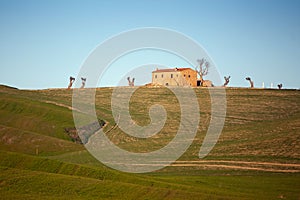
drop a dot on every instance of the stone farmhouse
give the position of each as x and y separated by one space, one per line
175 77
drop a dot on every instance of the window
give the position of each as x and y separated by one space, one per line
162 75
184 75
171 75
189 76
155 76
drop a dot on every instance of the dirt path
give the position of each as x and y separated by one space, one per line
234 165
243 162
243 165
62 105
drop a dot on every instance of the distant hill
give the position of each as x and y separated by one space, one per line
7 87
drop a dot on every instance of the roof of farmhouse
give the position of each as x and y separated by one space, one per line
170 70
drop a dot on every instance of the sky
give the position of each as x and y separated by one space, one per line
43 43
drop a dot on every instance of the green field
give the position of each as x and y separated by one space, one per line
256 157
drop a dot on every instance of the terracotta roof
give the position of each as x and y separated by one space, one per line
170 70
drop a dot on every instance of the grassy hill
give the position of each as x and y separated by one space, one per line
257 155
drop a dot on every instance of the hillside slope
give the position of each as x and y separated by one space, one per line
257 155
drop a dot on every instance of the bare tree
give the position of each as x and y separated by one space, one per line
130 82
202 69
83 80
251 82
71 82
279 86
226 80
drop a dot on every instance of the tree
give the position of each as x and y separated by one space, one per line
251 82
130 83
71 82
202 69
279 86
226 80
83 80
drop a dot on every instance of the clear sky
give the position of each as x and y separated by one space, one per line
42 43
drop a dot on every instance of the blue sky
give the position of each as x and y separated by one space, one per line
42 43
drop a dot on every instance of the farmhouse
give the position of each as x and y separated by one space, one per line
175 77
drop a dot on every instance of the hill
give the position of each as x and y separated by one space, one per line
256 157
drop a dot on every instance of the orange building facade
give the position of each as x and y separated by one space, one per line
175 77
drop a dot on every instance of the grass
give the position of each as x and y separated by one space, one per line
262 123
25 114
29 184
31 177
17 140
39 161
